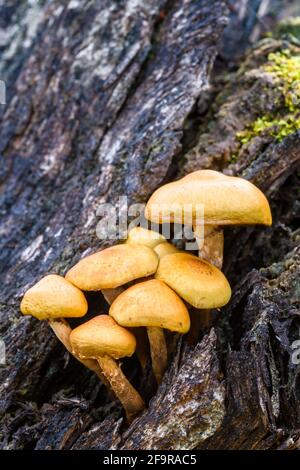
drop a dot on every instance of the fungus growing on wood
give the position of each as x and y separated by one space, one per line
109 270
52 299
113 267
226 200
165 248
198 282
142 236
154 305
103 340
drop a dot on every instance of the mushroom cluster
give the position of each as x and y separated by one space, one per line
149 284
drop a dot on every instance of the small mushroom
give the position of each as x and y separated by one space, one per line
226 200
161 247
195 280
113 267
142 236
198 282
154 305
165 248
103 340
52 299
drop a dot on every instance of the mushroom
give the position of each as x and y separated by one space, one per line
195 280
142 236
103 340
141 350
113 267
226 200
161 247
136 236
109 270
198 282
52 299
154 305
156 241
165 248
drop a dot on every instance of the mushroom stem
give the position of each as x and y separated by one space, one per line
158 351
142 347
62 331
210 239
205 319
124 391
111 294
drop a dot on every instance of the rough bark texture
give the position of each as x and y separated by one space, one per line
108 99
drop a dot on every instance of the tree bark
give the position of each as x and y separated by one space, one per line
105 99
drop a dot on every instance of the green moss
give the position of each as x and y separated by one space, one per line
290 27
284 68
278 128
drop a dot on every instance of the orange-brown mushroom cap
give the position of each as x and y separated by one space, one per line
102 336
226 200
54 297
198 282
151 304
142 236
113 267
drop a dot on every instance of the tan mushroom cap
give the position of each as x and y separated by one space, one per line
226 200
151 303
200 174
195 280
54 297
113 267
165 248
102 336
142 236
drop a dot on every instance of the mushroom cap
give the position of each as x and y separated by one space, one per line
165 248
54 297
226 200
151 303
198 282
200 174
113 267
142 236
102 336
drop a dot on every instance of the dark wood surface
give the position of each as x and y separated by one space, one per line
106 99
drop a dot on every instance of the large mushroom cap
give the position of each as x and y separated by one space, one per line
54 297
142 236
195 280
226 200
151 303
113 267
102 336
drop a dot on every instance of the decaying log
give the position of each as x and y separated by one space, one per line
105 105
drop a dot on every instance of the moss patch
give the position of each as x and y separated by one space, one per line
284 69
278 128
290 27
